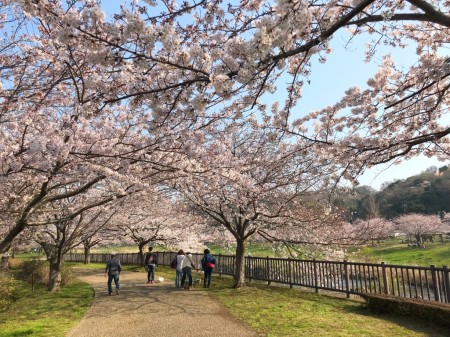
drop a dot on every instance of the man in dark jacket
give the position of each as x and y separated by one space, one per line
151 260
113 269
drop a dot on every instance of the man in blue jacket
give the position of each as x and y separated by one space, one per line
113 269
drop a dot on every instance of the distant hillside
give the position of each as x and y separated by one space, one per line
426 193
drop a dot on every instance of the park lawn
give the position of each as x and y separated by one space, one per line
277 311
393 252
41 313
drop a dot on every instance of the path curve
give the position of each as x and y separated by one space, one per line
157 310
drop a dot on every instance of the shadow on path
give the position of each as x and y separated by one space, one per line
158 309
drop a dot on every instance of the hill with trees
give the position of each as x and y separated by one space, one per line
425 193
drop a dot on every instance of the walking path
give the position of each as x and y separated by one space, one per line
153 310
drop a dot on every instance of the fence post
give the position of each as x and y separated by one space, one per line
290 272
316 280
447 283
268 270
248 269
437 296
219 264
385 279
346 279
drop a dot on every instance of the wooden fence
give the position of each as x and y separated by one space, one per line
427 283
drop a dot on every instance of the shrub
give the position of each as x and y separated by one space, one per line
6 289
435 312
37 271
66 275
34 271
14 264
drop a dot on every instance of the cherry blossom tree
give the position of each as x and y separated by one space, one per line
65 230
185 59
100 231
417 225
249 182
152 217
373 229
51 139
149 96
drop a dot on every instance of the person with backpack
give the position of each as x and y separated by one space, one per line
208 262
113 269
151 260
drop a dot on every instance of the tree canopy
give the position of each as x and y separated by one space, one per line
172 97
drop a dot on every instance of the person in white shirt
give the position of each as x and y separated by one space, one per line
179 269
186 267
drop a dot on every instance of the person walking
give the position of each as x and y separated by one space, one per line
186 267
151 260
179 268
113 269
208 262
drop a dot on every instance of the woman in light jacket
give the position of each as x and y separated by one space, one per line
186 267
179 269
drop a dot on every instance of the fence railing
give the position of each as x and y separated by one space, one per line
426 283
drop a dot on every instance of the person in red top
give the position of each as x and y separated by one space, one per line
208 262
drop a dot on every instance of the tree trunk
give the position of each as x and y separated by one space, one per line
8 240
87 254
54 277
239 273
141 253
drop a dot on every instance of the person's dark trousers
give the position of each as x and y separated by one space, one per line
151 273
186 271
207 277
116 282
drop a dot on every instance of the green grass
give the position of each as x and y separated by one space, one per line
277 312
394 252
41 313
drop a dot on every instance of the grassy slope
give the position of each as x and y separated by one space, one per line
279 312
394 252
282 312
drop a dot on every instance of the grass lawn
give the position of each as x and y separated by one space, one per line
391 251
277 311
41 313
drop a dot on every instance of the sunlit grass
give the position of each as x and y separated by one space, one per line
277 311
41 313
394 252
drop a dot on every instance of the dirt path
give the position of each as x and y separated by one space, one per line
153 310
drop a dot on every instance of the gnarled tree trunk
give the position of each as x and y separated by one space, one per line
54 278
87 254
239 273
